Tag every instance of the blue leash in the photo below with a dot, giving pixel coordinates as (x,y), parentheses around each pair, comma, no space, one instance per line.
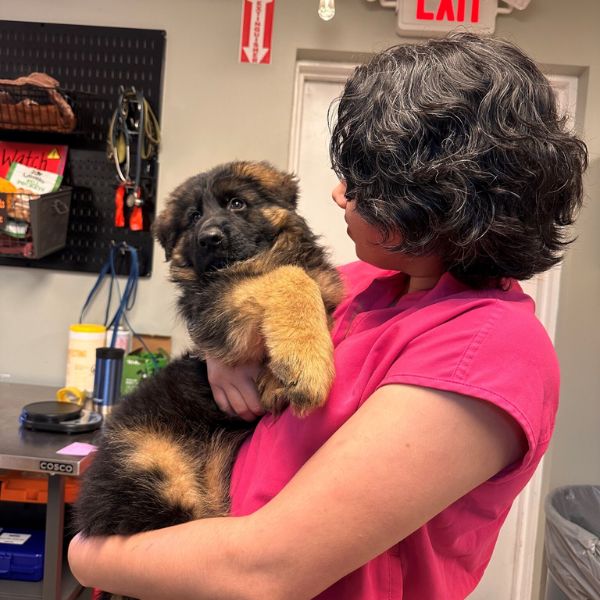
(126,300)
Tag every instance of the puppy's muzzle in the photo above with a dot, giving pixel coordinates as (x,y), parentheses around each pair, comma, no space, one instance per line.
(211,238)
(212,247)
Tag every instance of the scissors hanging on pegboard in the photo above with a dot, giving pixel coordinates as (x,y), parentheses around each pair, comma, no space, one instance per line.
(133,136)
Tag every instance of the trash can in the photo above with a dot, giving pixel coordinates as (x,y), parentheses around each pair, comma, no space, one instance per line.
(572,543)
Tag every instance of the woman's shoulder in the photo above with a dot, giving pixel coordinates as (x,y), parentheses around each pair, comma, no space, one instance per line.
(506,312)
(501,320)
(486,342)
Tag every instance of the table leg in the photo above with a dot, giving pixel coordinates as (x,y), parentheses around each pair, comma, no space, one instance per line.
(55,520)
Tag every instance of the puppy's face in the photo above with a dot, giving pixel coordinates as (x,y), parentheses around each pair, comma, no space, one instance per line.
(225,215)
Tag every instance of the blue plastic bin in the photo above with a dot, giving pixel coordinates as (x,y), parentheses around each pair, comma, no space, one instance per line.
(20,558)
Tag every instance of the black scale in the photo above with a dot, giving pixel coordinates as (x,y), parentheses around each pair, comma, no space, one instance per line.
(60,417)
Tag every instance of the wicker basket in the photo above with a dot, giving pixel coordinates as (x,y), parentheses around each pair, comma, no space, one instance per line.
(35,103)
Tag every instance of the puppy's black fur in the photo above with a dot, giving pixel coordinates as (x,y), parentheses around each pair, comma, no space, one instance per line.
(254,285)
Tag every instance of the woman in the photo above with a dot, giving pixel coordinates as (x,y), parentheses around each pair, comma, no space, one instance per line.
(457,178)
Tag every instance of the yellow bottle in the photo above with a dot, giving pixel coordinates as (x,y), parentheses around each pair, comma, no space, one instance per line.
(84,338)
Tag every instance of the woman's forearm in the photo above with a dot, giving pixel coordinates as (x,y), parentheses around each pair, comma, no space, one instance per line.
(211,558)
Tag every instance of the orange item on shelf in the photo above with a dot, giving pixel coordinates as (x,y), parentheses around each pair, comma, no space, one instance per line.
(17,487)
(6,186)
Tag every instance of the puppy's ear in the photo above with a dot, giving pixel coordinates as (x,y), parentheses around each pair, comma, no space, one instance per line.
(281,185)
(165,229)
(169,225)
(288,187)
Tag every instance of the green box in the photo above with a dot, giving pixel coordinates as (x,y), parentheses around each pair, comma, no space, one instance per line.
(140,364)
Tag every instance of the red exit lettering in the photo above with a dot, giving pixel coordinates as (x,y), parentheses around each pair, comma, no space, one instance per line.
(448,10)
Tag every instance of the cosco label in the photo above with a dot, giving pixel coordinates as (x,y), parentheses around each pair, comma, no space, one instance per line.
(55,467)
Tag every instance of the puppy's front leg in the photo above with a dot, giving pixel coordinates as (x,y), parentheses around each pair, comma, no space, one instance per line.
(287,310)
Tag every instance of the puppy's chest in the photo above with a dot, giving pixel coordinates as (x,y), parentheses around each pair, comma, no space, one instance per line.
(212,297)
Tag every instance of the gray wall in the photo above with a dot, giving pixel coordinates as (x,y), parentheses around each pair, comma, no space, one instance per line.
(216,109)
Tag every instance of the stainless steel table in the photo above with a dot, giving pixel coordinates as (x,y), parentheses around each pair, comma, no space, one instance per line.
(35,452)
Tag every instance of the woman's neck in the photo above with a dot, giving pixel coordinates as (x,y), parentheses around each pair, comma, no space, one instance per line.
(423,273)
(421,283)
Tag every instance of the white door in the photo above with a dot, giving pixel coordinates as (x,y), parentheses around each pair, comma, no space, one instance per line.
(510,573)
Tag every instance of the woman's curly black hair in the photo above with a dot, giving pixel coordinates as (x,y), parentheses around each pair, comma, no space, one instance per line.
(457,144)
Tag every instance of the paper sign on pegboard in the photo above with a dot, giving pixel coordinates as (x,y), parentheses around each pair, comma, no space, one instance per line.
(257,29)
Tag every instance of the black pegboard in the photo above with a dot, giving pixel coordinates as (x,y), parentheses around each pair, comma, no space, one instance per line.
(91,64)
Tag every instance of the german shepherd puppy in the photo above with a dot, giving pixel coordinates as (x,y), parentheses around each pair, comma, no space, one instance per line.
(254,285)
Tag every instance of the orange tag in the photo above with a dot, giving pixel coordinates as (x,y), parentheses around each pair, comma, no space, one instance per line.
(136,220)
(119,216)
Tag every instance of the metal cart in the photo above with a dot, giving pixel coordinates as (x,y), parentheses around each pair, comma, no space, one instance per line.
(36,452)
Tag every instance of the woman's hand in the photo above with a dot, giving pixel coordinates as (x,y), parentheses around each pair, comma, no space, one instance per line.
(234,388)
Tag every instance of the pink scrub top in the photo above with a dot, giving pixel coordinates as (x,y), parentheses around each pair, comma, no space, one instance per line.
(487,344)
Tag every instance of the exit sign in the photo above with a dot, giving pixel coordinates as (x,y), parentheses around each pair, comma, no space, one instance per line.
(438,17)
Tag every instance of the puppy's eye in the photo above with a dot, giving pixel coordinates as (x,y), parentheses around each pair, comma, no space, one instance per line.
(195,216)
(236,204)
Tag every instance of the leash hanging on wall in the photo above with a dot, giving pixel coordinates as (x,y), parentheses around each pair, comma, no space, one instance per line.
(133,139)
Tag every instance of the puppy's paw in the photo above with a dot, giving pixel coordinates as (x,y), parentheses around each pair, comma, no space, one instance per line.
(302,384)
(272,392)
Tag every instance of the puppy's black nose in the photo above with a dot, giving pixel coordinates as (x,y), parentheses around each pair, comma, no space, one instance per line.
(211,237)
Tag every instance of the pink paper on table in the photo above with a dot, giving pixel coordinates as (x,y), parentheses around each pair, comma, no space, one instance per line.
(77,449)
